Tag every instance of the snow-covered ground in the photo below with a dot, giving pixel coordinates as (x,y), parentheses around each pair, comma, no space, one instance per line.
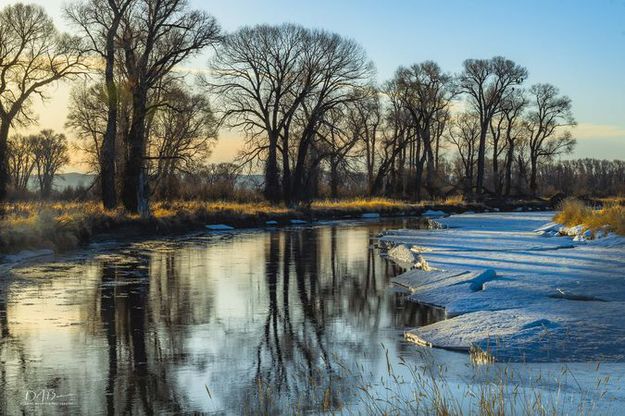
(520,294)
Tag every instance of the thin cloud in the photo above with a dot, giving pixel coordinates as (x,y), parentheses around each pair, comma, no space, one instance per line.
(598,131)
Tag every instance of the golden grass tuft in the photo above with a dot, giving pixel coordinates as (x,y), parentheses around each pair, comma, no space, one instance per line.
(573,212)
(610,217)
(360,204)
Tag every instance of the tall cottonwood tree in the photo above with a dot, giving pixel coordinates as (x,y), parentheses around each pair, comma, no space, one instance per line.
(155,36)
(277,83)
(261,80)
(182,134)
(487,82)
(512,111)
(425,92)
(341,71)
(100,21)
(464,134)
(33,54)
(547,125)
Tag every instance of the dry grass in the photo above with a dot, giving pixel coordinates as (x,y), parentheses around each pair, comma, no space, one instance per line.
(65,225)
(424,386)
(381,204)
(361,204)
(610,217)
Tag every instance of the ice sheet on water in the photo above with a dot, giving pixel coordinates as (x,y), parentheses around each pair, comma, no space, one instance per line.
(407,257)
(505,316)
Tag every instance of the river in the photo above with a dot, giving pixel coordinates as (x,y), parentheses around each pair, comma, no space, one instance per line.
(223,323)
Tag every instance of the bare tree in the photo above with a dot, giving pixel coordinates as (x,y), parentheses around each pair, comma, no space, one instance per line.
(87,118)
(33,54)
(426,93)
(487,82)
(464,134)
(512,111)
(397,137)
(50,153)
(182,133)
(261,80)
(547,123)
(21,161)
(340,132)
(339,71)
(100,21)
(156,35)
(366,118)
(277,83)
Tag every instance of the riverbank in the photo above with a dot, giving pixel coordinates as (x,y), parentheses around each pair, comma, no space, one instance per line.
(64,226)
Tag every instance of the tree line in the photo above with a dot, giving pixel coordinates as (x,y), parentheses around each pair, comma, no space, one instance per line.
(308,103)
(314,119)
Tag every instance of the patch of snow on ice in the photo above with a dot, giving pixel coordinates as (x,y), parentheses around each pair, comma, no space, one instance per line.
(434,213)
(407,258)
(219,227)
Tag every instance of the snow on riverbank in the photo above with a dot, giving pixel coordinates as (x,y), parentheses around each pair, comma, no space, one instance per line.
(545,299)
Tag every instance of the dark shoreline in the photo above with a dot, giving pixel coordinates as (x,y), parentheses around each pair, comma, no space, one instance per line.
(180,224)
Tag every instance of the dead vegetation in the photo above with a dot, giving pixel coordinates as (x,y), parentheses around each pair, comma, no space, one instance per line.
(608,217)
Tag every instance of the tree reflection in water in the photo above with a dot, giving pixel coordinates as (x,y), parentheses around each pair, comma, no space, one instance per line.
(263,319)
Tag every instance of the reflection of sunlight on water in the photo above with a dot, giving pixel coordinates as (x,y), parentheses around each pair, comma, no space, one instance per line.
(147,327)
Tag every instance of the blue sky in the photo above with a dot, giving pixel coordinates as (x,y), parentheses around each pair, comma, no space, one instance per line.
(578,46)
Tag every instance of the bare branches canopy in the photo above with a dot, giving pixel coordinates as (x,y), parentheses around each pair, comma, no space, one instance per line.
(33,54)
(306,100)
(278,83)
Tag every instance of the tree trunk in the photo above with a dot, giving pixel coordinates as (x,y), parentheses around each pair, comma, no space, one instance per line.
(272,180)
(134,187)
(334,178)
(107,162)
(533,184)
(496,181)
(429,154)
(481,154)
(46,186)
(419,176)
(299,191)
(286,174)
(509,161)
(4,158)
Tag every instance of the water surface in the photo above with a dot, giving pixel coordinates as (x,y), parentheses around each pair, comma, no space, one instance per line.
(195,323)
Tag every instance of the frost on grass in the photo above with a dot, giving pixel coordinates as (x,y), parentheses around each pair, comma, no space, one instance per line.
(520,297)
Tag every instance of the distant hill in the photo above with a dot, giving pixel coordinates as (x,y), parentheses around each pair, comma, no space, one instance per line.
(75,180)
(65,180)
